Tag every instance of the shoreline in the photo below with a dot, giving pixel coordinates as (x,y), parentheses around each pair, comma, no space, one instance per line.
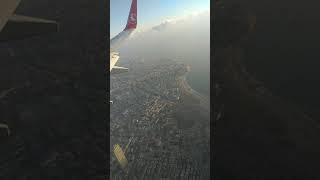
(204,100)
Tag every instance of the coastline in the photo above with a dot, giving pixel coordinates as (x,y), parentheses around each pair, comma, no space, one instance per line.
(204,100)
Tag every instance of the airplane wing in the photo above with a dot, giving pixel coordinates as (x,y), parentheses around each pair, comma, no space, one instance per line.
(118,70)
(122,36)
(13,26)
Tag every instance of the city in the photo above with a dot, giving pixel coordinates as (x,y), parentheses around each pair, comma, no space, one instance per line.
(163,130)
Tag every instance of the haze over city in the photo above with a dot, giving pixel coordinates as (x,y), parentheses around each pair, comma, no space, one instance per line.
(159,118)
(184,37)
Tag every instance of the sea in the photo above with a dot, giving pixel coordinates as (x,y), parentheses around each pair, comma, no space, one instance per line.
(199,76)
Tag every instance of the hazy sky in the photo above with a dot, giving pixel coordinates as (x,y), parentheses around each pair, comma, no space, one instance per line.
(168,29)
(185,39)
(151,11)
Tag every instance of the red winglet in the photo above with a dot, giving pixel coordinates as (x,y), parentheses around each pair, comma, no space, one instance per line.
(132,18)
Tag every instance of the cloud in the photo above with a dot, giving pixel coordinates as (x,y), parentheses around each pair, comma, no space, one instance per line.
(185,38)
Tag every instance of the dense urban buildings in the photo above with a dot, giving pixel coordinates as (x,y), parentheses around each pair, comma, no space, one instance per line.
(159,123)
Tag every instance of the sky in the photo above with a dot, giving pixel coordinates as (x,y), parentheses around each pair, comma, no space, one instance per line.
(185,40)
(168,29)
(151,12)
